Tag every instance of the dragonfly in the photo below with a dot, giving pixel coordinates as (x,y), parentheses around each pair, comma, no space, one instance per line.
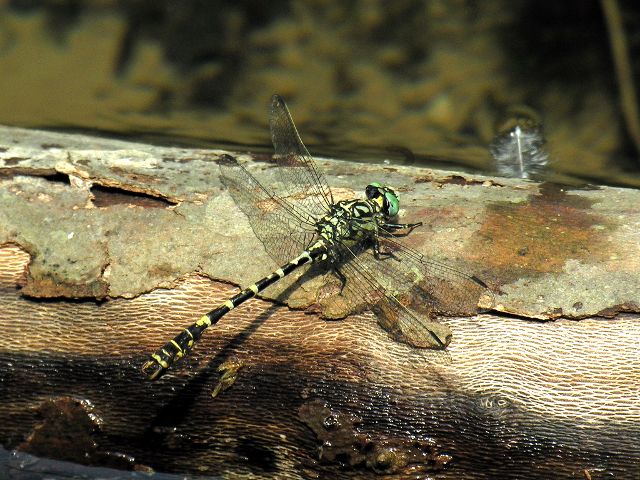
(356,239)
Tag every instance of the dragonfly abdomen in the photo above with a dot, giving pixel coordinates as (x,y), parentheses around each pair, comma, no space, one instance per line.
(182,343)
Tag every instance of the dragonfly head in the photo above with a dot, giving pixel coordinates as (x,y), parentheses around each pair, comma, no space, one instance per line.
(384,196)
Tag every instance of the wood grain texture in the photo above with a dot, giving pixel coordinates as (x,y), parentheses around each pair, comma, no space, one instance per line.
(513,398)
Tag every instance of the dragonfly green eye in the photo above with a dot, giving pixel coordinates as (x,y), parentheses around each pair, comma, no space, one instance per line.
(390,203)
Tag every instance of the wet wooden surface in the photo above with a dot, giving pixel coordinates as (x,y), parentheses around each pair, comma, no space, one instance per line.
(93,279)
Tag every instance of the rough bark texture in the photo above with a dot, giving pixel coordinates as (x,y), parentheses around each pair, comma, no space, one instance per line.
(108,248)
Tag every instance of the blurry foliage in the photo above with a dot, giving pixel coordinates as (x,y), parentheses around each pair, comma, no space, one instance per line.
(362,77)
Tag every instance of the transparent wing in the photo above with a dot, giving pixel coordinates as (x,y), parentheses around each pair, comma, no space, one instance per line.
(407,291)
(282,228)
(449,291)
(300,180)
(363,289)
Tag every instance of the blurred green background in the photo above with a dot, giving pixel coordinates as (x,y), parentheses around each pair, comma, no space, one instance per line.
(423,82)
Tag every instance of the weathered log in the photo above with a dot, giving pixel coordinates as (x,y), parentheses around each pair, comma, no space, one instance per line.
(109,248)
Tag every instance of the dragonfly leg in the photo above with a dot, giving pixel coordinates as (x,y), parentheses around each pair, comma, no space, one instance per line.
(341,277)
(378,253)
(392,227)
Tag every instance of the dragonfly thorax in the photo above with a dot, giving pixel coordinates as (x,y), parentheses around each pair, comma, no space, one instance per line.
(350,219)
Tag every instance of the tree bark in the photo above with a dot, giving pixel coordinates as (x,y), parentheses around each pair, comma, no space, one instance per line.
(110,248)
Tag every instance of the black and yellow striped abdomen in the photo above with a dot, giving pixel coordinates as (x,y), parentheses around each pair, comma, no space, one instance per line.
(182,343)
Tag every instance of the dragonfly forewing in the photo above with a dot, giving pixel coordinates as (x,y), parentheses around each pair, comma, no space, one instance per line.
(299,178)
(282,227)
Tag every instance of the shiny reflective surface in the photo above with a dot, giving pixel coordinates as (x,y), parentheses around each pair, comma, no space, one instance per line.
(422,82)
